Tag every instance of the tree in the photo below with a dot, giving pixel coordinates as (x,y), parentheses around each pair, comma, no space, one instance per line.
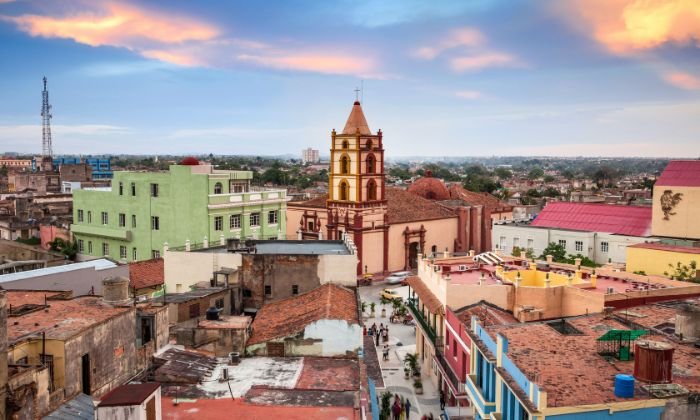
(550,192)
(557,252)
(549,178)
(683,272)
(385,406)
(535,173)
(67,248)
(503,173)
(516,252)
(568,174)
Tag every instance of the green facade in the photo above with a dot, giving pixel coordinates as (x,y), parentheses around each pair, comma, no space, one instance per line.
(188,204)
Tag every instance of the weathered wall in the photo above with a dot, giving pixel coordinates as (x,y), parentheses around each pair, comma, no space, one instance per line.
(15,251)
(184,269)
(440,233)
(338,269)
(131,412)
(656,262)
(280,272)
(179,312)
(82,281)
(30,392)
(112,349)
(684,222)
(326,337)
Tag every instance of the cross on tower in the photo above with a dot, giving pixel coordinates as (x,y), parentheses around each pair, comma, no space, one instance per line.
(357,94)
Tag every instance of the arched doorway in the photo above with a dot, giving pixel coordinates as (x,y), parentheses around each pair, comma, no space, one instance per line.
(413,255)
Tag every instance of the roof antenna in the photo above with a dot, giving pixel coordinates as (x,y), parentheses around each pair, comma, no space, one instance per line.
(357,94)
(362,92)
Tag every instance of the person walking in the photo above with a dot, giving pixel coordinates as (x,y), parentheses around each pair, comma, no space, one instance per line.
(442,400)
(377,338)
(396,408)
(407,408)
(386,334)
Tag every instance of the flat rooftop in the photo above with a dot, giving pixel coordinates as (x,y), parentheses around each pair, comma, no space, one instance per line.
(98,264)
(276,247)
(227,322)
(189,295)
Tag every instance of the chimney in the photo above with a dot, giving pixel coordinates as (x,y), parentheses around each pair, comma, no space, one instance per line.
(115,291)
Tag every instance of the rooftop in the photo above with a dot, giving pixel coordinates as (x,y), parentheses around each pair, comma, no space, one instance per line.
(476,198)
(593,217)
(147,273)
(680,173)
(62,319)
(283,247)
(131,394)
(203,408)
(98,264)
(487,313)
(425,295)
(403,207)
(665,247)
(291,315)
(227,322)
(356,121)
(190,295)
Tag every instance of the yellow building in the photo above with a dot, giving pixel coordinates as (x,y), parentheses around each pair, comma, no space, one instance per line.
(656,259)
(677,201)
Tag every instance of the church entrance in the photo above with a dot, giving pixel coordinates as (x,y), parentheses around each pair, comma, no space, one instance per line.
(413,255)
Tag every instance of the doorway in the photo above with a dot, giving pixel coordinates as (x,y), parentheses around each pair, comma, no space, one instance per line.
(86,374)
(413,255)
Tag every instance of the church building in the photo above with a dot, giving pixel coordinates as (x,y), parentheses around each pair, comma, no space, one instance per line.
(389,226)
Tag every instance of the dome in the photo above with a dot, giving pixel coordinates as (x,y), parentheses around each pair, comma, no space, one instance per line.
(430,188)
(189,161)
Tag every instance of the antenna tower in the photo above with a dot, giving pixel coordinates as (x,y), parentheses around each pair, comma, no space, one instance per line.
(47,149)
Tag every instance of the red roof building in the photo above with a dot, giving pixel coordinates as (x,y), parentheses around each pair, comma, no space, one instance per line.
(680,173)
(605,218)
(147,274)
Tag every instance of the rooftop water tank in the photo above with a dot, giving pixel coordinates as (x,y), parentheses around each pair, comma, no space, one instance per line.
(653,362)
(213,314)
(624,386)
(115,290)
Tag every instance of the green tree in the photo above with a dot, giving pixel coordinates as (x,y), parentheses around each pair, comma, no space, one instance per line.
(535,173)
(683,272)
(549,178)
(503,173)
(557,252)
(67,248)
(568,174)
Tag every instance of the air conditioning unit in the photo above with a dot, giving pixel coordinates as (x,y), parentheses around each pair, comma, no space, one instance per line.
(462,268)
(611,290)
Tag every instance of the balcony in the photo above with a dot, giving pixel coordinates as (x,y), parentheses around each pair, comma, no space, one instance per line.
(254,196)
(102,231)
(447,371)
(483,406)
(418,316)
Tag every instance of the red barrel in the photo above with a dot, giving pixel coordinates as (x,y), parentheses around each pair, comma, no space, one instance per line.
(653,362)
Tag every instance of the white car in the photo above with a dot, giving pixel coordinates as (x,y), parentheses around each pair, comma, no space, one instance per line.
(398,277)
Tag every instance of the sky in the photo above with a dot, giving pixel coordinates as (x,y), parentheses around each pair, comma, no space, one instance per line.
(439,78)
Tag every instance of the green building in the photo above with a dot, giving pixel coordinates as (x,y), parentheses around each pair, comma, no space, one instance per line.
(190,205)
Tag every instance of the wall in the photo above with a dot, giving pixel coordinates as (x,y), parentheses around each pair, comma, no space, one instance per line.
(189,268)
(325,337)
(15,251)
(684,223)
(643,413)
(30,394)
(338,269)
(179,312)
(440,232)
(131,412)
(655,262)
(280,272)
(112,349)
(49,233)
(32,350)
(3,352)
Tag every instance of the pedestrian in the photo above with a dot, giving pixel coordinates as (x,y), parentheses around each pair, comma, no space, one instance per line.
(401,406)
(386,352)
(442,400)
(386,334)
(396,409)
(407,408)
(377,339)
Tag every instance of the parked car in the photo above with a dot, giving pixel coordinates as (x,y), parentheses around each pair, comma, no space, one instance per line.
(390,294)
(398,277)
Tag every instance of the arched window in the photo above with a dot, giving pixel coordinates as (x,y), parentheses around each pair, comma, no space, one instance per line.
(218,188)
(343,189)
(370,164)
(344,165)
(371,190)
(369,144)
(345,144)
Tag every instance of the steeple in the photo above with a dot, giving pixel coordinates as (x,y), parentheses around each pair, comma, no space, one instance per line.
(356,121)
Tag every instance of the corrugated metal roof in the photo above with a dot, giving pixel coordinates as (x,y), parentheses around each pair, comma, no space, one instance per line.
(99,264)
(80,408)
(680,173)
(589,217)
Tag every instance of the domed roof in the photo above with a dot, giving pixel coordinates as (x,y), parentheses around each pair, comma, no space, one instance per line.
(189,161)
(430,188)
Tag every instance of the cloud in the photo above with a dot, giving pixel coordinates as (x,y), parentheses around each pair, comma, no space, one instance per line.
(627,26)
(315,62)
(468,94)
(26,138)
(482,61)
(682,80)
(461,37)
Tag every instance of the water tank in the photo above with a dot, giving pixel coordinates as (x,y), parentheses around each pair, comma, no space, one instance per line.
(688,322)
(624,386)
(213,314)
(235,357)
(653,362)
(115,290)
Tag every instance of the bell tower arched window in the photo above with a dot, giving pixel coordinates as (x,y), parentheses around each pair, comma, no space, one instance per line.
(370,164)
(371,190)
(369,144)
(343,190)
(218,188)
(345,144)
(344,165)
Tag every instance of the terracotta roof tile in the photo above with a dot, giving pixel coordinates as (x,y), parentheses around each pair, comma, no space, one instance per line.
(356,121)
(430,188)
(457,192)
(289,316)
(319,202)
(487,313)
(425,295)
(147,273)
(403,207)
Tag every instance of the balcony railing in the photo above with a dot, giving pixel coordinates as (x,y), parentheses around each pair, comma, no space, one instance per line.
(449,373)
(418,316)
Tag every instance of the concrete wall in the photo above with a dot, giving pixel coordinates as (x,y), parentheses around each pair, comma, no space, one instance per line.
(655,261)
(131,412)
(684,223)
(440,233)
(185,269)
(15,251)
(179,312)
(30,394)
(326,337)
(82,281)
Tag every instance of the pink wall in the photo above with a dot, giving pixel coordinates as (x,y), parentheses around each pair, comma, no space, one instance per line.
(48,233)
(460,363)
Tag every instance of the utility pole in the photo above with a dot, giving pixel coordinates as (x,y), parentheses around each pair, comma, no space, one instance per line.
(47,149)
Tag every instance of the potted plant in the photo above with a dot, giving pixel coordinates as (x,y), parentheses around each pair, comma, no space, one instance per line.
(363,305)
(406,372)
(411,360)
(372,305)
(384,301)
(385,404)
(418,385)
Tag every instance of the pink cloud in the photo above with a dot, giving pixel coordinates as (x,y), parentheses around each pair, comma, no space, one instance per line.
(482,61)
(682,80)
(626,26)
(327,63)
(468,94)
(461,37)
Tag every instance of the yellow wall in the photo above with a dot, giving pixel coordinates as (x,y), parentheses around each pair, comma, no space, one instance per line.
(32,350)
(655,262)
(683,224)
(536,278)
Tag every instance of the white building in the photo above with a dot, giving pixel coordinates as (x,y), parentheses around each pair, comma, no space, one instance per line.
(310,156)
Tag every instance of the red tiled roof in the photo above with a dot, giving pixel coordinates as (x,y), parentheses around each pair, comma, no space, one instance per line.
(669,248)
(425,295)
(329,374)
(319,201)
(457,192)
(430,188)
(402,207)
(288,316)
(213,408)
(131,394)
(487,313)
(356,121)
(147,273)
(680,173)
(606,218)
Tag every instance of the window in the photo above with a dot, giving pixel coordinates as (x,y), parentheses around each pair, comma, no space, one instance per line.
(219,223)
(344,165)
(502,242)
(133,220)
(133,189)
(345,144)
(80,215)
(122,252)
(121,188)
(562,242)
(516,242)
(530,243)
(370,164)
(236,188)
(255,219)
(579,246)
(371,190)
(122,220)
(155,223)
(247,293)
(311,225)
(89,216)
(368,145)
(295,289)
(604,247)
(272,217)
(154,190)
(194,310)
(268,290)
(105,248)
(218,188)
(105,218)
(155,254)
(90,247)
(81,245)
(219,303)
(454,348)
(235,221)
(343,189)
(133,254)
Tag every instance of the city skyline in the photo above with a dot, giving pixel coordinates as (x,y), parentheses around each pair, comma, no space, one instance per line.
(569,78)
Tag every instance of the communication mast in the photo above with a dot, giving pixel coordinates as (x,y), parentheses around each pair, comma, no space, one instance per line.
(47,149)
